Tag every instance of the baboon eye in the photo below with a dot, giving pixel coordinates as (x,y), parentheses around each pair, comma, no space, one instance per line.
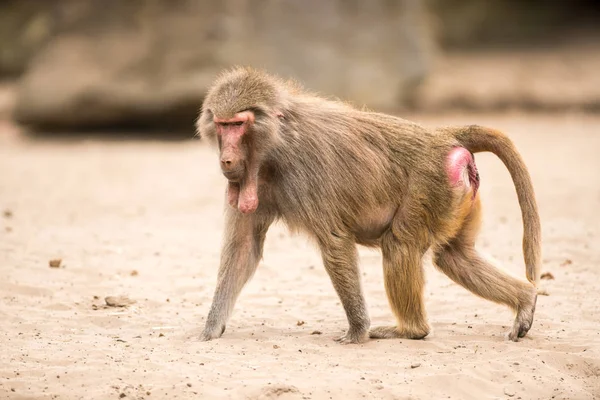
(236,123)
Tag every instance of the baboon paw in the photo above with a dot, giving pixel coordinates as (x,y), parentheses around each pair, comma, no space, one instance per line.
(205,337)
(523,321)
(211,333)
(393,332)
(353,338)
(514,333)
(384,332)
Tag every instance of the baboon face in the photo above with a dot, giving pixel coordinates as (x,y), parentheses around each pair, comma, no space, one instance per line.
(233,137)
(242,115)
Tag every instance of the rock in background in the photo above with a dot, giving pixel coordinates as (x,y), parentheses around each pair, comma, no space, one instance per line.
(113,64)
(25,26)
(149,63)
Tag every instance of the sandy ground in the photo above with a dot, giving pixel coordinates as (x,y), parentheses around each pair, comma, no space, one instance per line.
(108,208)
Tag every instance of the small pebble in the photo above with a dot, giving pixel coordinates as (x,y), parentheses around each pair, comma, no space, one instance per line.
(118,301)
(547,275)
(568,261)
(415,365)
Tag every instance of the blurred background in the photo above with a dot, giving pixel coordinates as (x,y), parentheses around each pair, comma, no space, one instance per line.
(105,193)
(71,65)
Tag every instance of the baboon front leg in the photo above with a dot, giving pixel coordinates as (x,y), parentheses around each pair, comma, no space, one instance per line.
(241,252)
(340,259)
(404,282)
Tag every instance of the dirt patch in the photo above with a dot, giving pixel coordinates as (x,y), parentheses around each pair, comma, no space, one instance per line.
(109,207)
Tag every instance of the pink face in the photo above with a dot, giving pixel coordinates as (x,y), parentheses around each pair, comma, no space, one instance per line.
(230,133)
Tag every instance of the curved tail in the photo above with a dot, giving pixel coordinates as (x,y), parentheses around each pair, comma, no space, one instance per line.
(481,139)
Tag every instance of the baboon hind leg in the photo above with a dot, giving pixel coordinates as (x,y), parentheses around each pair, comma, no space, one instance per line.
(404,283)
(466,266)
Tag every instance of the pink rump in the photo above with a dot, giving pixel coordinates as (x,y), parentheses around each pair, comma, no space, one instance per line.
(460,166)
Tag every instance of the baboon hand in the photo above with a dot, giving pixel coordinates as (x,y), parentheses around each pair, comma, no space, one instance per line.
(354,336)
(212,331)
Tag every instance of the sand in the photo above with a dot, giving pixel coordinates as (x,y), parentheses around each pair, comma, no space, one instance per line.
(143,219)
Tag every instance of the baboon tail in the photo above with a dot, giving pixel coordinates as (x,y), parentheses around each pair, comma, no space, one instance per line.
(481,139)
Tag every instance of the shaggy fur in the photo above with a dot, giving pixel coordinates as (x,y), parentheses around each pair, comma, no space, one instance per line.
(346,176)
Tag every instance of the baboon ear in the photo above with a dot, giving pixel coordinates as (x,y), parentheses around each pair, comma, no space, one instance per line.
(197,126)
(204,123)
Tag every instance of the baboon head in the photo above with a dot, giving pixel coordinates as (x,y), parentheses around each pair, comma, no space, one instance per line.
(243,114)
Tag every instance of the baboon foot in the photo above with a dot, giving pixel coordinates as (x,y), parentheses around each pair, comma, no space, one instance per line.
(393,332)
(354,336)
(523,320)
(212,332)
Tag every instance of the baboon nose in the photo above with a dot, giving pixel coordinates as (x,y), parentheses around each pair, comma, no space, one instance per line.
(226,164)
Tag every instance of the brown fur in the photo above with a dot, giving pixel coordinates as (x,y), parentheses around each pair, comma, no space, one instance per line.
(346,176)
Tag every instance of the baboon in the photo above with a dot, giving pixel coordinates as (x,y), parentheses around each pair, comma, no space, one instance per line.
(347,176)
